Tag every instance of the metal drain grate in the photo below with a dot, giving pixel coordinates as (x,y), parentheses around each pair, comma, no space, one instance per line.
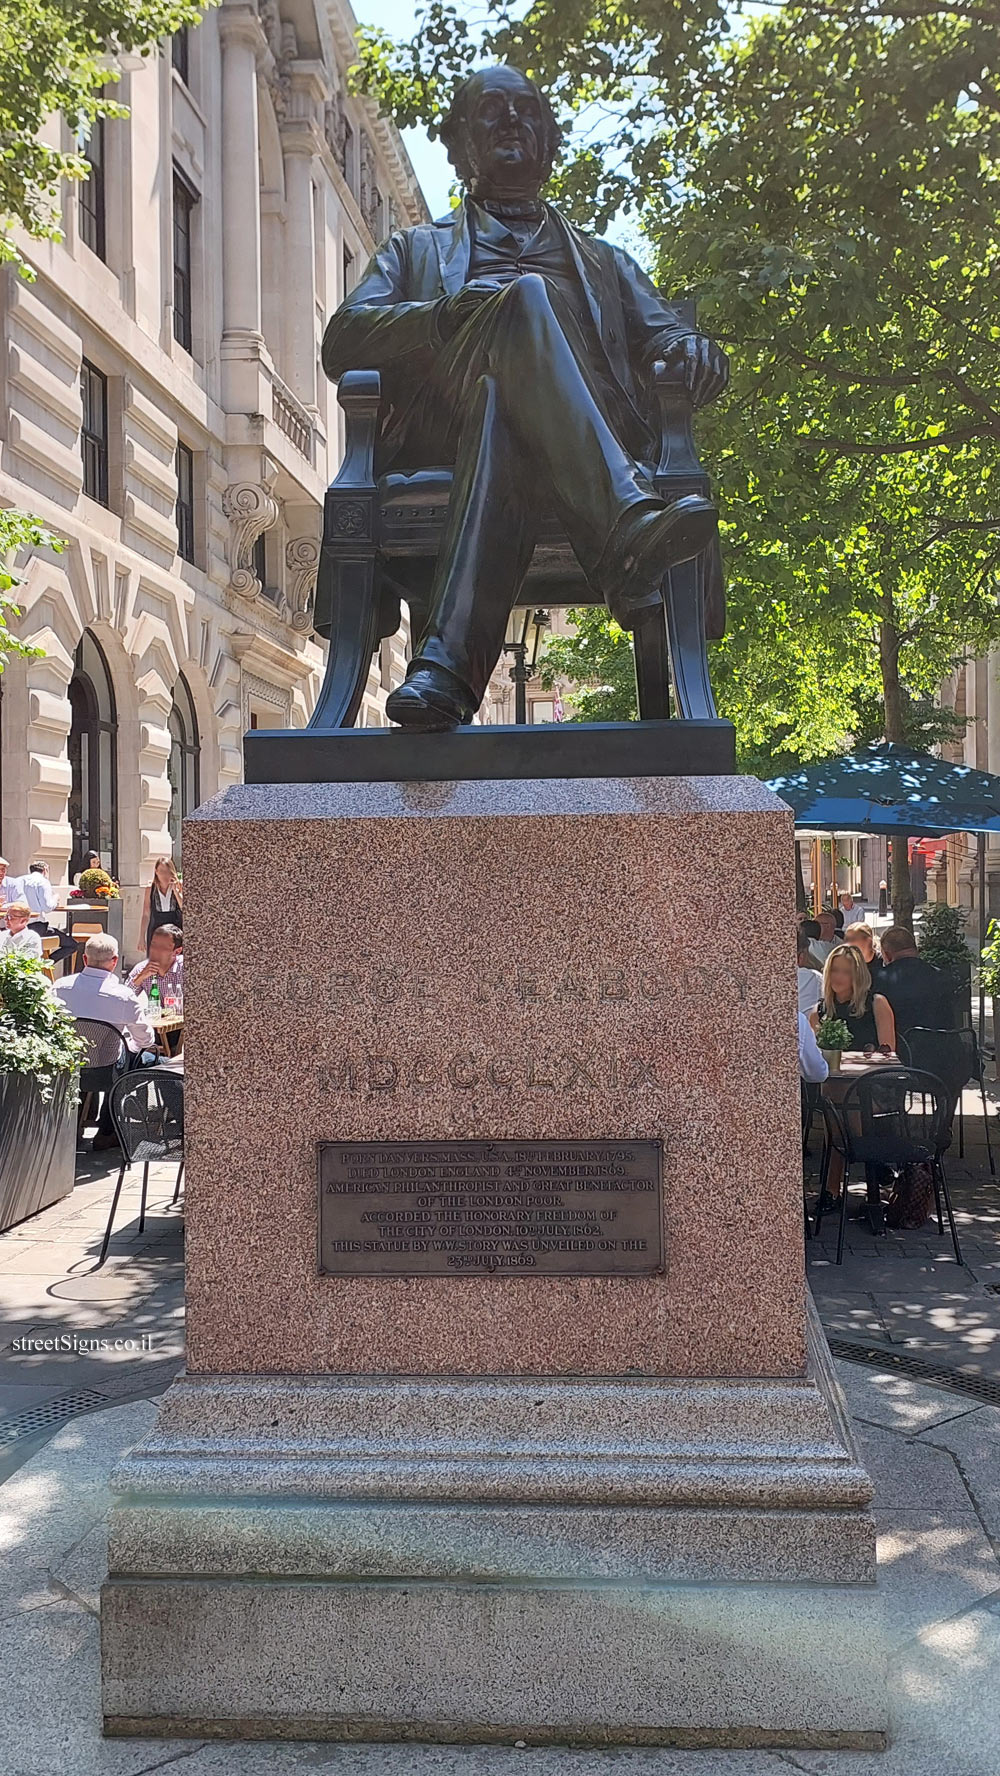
(48,1415)
(875,1356)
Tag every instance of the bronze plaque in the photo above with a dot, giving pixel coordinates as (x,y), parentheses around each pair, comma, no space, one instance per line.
(499,1208)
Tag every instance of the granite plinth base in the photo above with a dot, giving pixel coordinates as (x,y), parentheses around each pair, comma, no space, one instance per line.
(619,1561)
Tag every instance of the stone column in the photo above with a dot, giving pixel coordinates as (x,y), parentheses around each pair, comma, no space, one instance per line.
(300,289)
(242,339)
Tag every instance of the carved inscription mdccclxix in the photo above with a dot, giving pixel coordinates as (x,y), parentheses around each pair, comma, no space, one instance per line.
(495,1208)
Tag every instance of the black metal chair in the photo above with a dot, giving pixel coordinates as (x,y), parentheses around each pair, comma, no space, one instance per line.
(147,1110)
(890,1118)
(381,537)
(105,1061)
(955,1057)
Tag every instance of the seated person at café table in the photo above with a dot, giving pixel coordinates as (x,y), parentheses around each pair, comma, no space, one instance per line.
(863,939)
(813,1068)
(96,992)
(810,985)
(41,898)
(164,963)
(14,932)
(848,994)
(920,996)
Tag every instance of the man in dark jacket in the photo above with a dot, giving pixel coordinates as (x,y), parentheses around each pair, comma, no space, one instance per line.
(921,996)
(518,349)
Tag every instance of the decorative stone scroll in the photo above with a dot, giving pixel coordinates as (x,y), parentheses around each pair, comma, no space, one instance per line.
(335,128)
(251,510)
(302,562)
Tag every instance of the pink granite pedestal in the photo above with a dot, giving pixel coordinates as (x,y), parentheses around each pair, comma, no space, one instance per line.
(598,1508)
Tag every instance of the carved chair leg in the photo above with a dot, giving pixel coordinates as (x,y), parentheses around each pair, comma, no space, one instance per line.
(684,591)
(353,640)
(652,669)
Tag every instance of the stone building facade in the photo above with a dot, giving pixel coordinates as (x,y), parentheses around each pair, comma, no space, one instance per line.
(164,413)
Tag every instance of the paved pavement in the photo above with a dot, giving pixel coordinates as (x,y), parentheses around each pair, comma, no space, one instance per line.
(904,1292)
(931,1450)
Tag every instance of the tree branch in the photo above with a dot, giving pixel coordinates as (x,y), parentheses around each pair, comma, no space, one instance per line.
(899,447)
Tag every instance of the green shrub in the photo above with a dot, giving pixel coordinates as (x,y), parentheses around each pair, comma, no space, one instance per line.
(941,940)
(37,1034)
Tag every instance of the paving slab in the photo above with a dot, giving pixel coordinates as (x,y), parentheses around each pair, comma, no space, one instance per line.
(878,1397)
(911,1475)
(933,1564)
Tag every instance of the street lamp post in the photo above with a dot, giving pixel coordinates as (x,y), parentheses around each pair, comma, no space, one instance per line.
(523,669)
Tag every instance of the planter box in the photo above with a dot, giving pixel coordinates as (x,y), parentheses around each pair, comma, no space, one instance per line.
(37,1147)
(106,913)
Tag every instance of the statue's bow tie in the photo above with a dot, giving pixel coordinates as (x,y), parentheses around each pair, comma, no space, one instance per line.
(526,211)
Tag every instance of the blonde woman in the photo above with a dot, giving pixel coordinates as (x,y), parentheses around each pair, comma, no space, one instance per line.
(163,903)
(848,993)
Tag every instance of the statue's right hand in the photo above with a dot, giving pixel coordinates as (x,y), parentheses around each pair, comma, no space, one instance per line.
(457,309)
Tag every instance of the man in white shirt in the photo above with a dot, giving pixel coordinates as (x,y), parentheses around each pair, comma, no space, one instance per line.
(40,895)
(812,1066)
(10,886)
(15,936)
(810,980)
(828,938)
(96,992)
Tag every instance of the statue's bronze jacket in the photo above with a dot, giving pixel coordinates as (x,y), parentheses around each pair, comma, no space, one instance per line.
(388,322)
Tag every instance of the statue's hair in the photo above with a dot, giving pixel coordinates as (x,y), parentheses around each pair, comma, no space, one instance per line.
(453,123)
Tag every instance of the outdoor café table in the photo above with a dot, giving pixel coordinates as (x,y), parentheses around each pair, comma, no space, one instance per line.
(168,1028)
(853,1065)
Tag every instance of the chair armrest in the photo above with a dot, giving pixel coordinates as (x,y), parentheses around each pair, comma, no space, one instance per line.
(678,456)
(359,393)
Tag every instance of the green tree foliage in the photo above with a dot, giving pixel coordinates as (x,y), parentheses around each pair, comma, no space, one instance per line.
(17,532)
(823,177)
(57,61)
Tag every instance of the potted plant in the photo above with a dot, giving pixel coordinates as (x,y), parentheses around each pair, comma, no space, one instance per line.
(96,884)
(833,1037)
(40,1054)
(97,890)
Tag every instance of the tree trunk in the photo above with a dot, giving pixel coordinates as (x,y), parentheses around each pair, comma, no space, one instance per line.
(892,695)
(801,902)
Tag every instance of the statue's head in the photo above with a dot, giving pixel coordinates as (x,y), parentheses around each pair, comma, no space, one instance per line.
(501,134)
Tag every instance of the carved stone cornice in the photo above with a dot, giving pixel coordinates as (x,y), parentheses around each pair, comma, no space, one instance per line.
(251,509)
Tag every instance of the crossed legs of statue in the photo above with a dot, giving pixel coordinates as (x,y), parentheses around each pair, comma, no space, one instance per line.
(516,404)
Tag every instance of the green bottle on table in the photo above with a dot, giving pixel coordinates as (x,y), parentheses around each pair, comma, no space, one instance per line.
(154,998)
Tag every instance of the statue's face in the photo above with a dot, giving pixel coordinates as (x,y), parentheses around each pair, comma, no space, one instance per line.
(505,132)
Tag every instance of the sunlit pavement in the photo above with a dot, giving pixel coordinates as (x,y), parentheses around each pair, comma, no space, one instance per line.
(68,1413)
(904,1291)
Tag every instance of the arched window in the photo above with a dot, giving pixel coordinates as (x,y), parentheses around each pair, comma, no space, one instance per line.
(93,758)
(185,756)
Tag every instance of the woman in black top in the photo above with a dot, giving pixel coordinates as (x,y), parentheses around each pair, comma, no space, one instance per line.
(848,993)
(163,903)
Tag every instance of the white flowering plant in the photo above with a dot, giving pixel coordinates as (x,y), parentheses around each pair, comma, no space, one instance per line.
(37,1034)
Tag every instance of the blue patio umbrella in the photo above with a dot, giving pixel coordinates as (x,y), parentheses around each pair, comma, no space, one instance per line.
(892,790)
(900,793)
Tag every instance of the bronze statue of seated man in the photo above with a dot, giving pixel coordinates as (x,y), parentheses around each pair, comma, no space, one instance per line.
(519,349)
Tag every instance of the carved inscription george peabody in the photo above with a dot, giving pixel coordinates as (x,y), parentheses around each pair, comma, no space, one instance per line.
(454,1208)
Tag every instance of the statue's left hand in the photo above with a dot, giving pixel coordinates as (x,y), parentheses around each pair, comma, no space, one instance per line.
(701,365)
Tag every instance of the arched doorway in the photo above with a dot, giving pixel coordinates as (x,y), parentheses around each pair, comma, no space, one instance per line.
(184,770)
(93,757)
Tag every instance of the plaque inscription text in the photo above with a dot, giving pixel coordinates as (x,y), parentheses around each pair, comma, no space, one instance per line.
(499,1208)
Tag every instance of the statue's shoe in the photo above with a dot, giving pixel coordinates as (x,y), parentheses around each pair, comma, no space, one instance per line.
(647,543)
(430,700)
